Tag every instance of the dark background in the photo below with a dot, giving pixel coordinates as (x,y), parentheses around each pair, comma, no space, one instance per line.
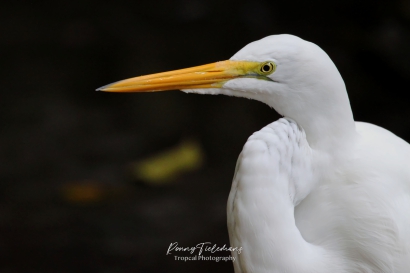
(57,134)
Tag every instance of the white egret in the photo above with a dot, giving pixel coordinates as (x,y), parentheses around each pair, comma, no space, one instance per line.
(314,191)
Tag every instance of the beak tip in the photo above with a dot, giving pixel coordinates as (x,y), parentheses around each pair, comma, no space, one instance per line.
(104,88)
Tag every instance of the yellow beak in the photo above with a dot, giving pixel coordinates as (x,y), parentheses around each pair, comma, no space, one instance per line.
(212,75)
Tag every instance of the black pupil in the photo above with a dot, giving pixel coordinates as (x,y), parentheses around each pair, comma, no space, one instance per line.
(266,68)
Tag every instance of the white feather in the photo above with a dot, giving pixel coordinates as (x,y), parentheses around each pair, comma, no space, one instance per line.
(315,191)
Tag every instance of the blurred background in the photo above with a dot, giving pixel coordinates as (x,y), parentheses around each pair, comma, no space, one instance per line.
(99,182)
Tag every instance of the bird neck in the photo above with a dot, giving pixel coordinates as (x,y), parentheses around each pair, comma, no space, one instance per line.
(326,116)
(328,131)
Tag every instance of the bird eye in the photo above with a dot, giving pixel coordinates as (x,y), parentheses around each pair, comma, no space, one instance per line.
(267,68)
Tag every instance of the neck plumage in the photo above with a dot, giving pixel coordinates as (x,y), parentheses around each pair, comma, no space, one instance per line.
(328,130)
(261,218)
(322,110)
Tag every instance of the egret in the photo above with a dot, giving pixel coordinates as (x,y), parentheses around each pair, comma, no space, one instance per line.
(314,191)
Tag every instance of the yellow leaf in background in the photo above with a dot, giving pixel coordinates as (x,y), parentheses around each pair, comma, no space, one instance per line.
(167,166)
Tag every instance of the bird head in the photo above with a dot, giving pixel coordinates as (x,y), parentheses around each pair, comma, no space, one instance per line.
(295,77)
